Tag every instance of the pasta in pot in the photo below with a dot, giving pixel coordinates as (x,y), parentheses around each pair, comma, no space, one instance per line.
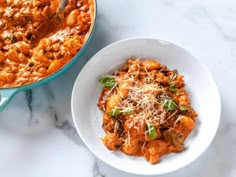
(36,41)
(146,110)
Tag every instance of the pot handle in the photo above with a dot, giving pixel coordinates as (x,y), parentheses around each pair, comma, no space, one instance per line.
(5,96)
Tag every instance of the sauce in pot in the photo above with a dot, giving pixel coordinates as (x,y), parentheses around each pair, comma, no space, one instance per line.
(36,40)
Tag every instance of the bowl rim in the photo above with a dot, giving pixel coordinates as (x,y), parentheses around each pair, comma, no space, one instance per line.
(165,42)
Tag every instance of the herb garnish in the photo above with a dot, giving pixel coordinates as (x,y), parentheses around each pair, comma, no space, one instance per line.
(169,104)
(183,108)
(152,131)
(172,88)
(115,112)
(107,81)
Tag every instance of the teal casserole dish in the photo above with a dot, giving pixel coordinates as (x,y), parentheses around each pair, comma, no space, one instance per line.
(6,94)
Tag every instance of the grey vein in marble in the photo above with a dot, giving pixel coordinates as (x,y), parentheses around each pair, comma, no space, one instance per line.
(29,97)
(96,170)
(67,127)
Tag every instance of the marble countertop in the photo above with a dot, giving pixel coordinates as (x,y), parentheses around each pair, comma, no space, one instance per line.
(37,136)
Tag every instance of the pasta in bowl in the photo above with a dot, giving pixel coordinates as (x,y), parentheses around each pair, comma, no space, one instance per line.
(95,117)
(146,110)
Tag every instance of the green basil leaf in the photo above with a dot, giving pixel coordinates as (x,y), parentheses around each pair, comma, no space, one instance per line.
(172,88)
(107,81)
(114,112)
(152,131)
(169,104)
(183,108)
(127,111)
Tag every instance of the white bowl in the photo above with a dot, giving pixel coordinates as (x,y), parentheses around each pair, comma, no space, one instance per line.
(199,83)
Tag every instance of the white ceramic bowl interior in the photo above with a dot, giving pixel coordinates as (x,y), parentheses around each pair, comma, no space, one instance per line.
(199,83)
